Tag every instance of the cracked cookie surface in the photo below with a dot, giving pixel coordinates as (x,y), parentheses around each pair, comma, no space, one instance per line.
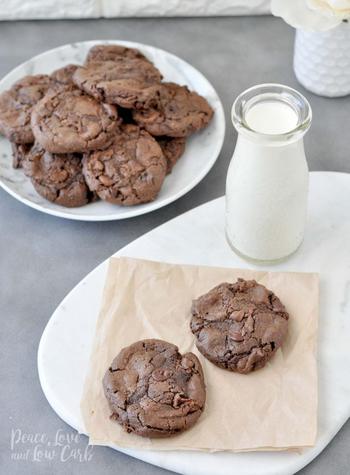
(239,326)
(128,82)
(172,148)
(112,53)
(66,121)
(178,112)
(16,106)
(128,172)
(57,177)
(64,76)
(153,390)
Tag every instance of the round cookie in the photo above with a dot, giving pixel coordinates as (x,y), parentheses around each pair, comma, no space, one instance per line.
(128,82)
(16,105)
(179,112)
(58,177)
(64,76)
(173,149)
(66,121)
(239,326)
(130,171)
(112,53)
(153,390)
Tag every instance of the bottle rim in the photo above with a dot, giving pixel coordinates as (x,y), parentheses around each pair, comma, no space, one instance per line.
(271,92)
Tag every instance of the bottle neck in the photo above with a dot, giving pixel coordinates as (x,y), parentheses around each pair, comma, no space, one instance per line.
(271,114)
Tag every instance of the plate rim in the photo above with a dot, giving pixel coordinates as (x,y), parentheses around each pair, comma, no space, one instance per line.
(154,205)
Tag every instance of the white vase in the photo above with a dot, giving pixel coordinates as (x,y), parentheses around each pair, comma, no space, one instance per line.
(322,60)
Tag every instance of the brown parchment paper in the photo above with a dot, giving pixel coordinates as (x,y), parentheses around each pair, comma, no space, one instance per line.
(273,408)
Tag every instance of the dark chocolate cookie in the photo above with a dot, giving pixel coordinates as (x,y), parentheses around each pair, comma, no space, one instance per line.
(64,76)
(66,120)
(179,112)
(153,390)
(112,53)
(239,326)
(19,153)
(16,106)
(128,82)
(130,171)
(172,149)
(58,177)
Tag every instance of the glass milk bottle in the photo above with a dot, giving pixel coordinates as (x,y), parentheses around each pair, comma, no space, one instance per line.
(267,180)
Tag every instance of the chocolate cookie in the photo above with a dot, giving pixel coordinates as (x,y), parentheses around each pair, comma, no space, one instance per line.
(153,390)
(19,153)
(58,177)
(112,53)
(66,120)
(130,171)
(178,113)
(172,149)
(129,82)
(64,76)
(239,326)
(16,106)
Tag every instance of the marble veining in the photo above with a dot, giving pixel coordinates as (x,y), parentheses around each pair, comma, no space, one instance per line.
(202,149)
(197,237)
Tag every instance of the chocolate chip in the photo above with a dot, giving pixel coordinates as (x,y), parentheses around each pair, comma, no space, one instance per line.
(161,374)
(187,363)
(105,180)
(237,315)
(236,335)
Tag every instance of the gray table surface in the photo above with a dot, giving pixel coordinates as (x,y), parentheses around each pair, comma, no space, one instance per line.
(43,257)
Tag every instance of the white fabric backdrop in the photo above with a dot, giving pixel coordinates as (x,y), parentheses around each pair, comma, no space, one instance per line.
(35,9)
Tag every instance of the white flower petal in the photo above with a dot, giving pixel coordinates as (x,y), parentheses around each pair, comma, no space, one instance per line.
(335,8)
(297,14)
(339,4)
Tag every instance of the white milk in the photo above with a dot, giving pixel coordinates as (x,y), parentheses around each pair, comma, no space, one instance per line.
(271,118)
(267,180)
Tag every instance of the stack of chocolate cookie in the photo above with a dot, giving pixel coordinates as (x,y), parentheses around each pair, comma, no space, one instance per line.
(109,129)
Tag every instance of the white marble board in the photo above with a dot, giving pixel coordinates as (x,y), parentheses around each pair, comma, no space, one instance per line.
(197,237)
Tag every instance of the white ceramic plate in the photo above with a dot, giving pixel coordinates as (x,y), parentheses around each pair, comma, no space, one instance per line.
(202,149)
(66,342)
